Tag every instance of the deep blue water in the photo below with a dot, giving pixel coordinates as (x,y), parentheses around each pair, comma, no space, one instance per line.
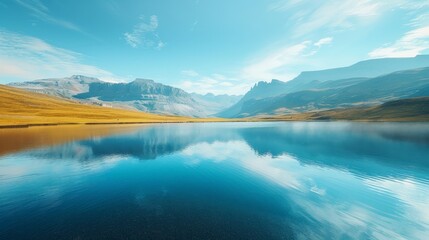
(223,181)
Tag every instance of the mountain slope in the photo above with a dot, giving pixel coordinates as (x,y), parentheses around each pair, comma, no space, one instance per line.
(139,89)
(264,89)
(20,107)
(372,91)
(329,78)
(61,87)
(141,94)
(215,103)
(410,109)
(366,69)
(145,95)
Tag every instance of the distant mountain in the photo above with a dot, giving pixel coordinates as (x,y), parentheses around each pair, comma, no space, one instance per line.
(365,69)
(264,89)
(145,95)
(215,103)
(327,79)
(139,89)
(361,92)
(61,87)
(259,91)
(409,109)
(141,94)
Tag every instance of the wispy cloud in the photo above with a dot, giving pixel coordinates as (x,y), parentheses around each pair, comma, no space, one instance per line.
(41,11)
(26,58)
(420,20)
(323,41)
(214,83)
(190,73)
(279,64)
(144,33)
(411,44)
(268,67)
(327,14)
(309,16)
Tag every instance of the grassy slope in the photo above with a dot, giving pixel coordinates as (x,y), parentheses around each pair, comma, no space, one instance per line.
(412,109)
(19,107)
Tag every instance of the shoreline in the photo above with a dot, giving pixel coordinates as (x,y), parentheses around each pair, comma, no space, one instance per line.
(30,125)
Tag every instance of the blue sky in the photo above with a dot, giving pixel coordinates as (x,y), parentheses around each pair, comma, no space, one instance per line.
(203,46)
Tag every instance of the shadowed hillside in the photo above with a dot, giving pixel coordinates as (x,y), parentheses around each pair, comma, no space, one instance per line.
(343,94)
(412,109)
(369,82)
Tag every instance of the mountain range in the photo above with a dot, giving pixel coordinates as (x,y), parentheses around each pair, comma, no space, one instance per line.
(141,94)
(213,104)
(365,83)
(21,108)
(408,109)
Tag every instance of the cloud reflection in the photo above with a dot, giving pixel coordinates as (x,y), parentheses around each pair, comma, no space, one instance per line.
(337,180)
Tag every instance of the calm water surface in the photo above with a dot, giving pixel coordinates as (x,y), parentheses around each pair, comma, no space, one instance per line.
(222,181)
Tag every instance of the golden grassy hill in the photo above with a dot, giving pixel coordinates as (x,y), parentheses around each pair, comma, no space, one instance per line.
(22,108)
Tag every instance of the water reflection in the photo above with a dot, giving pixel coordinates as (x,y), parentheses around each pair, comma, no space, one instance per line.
(19,139)
(313,143)
(223,181)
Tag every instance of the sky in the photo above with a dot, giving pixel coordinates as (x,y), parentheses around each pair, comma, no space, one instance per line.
(217,46)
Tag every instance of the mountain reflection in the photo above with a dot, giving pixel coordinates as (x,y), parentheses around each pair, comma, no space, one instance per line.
(346,145)
(327,144)
(145,143)
(300,180)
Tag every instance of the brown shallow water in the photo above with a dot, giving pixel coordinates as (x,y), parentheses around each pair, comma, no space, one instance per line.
(18,139)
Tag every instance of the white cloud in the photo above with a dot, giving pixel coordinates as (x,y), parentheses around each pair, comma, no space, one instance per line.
(190,73)
(280,63)
(215,83)
(144,33)
(284,5)
(329,14)
(420,20)
(410,44)
(323,41)
(160,45)
(269,66)
(27,58)
(312,15)
(411,4)
(40,11)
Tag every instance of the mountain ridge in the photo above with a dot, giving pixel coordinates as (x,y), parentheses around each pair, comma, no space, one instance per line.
(368,92)
(21,108)
(366,69)
(408,109)
(140,94)
(328,79)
